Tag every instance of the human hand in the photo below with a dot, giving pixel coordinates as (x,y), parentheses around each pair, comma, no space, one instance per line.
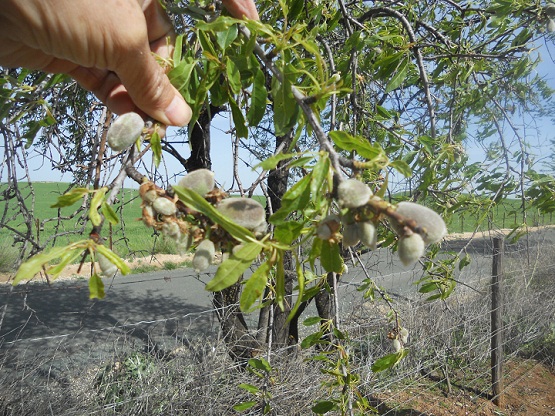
(105,46)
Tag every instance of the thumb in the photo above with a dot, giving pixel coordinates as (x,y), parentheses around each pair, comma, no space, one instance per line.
(150,89)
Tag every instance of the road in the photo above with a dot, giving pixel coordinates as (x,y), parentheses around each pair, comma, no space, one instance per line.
(35,310)
(50,324)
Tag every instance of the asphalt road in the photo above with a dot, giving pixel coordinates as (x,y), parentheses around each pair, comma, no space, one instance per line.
(63,309)
(173,306)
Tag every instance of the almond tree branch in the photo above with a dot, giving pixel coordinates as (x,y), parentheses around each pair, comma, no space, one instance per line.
(386,11)
(323,140)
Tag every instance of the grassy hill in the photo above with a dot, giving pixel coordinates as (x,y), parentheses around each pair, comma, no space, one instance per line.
(131,237)
(69,222)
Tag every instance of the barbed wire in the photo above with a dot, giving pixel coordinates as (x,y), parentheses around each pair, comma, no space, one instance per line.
(449,344)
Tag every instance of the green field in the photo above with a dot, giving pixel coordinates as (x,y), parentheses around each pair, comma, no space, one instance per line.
(506,215)
(132,238)
(129,237)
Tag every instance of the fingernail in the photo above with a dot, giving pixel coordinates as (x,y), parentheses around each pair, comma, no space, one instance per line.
(178,112)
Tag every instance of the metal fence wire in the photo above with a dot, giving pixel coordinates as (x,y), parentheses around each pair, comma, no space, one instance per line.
(144,352)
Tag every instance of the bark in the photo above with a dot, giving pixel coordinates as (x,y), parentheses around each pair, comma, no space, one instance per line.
(242,345)
(199,138)
(277,186)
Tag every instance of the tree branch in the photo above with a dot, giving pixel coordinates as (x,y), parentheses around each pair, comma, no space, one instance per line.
(386,11)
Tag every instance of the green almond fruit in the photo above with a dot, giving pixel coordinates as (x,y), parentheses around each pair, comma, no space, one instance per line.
(426,218)
(410,249)
(201,181)
(164,206)
(125,131)
(368,235)
(352,193)
(246,212)
(351,235)
(204,255)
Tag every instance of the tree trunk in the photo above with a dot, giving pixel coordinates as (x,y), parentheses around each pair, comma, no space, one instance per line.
(277,186)
(199,138)
(242,345)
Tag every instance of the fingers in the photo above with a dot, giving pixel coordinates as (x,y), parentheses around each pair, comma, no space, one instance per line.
(150,89)
(144,79)
(241,9)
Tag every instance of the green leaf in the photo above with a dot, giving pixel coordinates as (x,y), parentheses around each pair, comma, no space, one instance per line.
(260,364)
(383,112)
(96,201)
(330,257)
(301,285)
(96,287)
(249,387)
(363,147)
(313,320)
(287,232)
(217,25)
(272,161)
(400,75)
(280,282)
(180,75)
(233,76)
(428,287)
(109,213)
(300,162)
(70,198)
(225,38)
(320,174)
(296,198)
(32,129)
(34,265)
(323,406)
(231,270)
(312,339)
(259,98)
(465,261)
(198,203)
(402,167)
(156,147)
(178,49)
(254,287)
(389,361)
(240,407)
(68,258)
(113,258)
(286,110)
(241,129)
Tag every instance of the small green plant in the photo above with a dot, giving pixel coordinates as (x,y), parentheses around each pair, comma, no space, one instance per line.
(8,257)
(262,369)
(165,245)
(121,380)
(144,268)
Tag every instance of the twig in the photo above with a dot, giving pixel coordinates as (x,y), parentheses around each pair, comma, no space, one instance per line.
(323,139)
(381,11)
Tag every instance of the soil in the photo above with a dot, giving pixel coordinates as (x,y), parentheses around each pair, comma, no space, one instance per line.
(529,390)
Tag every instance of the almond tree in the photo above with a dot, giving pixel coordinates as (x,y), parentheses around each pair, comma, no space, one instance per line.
(334,99)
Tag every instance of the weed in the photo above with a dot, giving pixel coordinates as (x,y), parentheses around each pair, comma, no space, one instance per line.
(9,256)
(123,379)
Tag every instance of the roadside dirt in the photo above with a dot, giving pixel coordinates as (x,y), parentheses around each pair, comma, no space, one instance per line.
(75,271)
(529,391)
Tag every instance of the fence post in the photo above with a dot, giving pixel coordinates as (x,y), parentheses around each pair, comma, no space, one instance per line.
(497,322)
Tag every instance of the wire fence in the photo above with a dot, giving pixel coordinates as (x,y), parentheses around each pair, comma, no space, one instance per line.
(149,351)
